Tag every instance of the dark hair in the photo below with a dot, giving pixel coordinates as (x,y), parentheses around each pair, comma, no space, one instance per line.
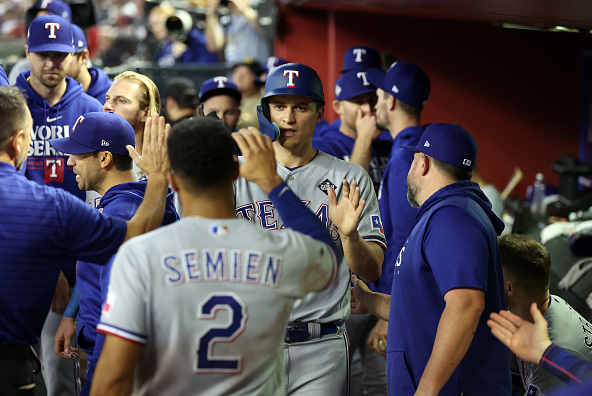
(183,91)
(13,113)
(452,171)
(527,263)
(201,151)
(120,162)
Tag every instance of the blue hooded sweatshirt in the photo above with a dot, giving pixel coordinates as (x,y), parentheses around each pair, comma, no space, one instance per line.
(120,201)
(99,85)
(46,165)
(3,77)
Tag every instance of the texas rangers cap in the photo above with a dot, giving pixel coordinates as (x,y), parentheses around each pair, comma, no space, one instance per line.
(218,86)
(79,38)
(405,81)
(361,58)
(100,131)
(448,143)
(57,7)
(50,33)
(352,84)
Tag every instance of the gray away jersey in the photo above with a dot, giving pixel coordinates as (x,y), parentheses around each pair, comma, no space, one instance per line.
(310,183)
(210,300)
(567,329)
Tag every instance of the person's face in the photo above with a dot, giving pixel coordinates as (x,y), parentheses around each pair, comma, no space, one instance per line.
(75,67)
(49,67)
(243,77)
(296,117)
(226,109)
(157,22)
(350,107)
(121,99)
(86,167)
(22,157)
(381,108)
(412,187)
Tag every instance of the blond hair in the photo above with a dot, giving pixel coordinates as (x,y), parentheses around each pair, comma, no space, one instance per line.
(148,96)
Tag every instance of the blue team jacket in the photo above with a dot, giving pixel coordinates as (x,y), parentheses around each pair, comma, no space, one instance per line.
(120,201)
(99,84)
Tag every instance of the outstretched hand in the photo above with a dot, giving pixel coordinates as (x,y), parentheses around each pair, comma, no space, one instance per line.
(154,158)
(62,341)
(526,339)
(259,164)
(346,213)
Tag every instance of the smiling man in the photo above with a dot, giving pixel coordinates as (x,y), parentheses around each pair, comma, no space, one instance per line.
(315,350)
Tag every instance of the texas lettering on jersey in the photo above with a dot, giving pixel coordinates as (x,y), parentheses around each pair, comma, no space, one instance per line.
(264,212)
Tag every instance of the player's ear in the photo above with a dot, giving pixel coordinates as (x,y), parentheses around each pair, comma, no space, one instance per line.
(336,106)
(145,114)
(391,102)
(424,164)
(174,183)
(27,51)
(510,288)
(85,56)
(105,158)
(15,145)
(320,112)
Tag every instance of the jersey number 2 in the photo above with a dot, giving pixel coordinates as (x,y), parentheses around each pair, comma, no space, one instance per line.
(228,332)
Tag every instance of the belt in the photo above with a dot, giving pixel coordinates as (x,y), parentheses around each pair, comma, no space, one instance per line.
(309,331)
(20,352)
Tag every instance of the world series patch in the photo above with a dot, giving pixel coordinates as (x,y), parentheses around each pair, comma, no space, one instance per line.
(327,184)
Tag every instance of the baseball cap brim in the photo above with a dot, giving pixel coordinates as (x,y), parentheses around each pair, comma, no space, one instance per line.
(220,91)
(410,148)
(55,47)
(68,145)
(361,91)
(376,78)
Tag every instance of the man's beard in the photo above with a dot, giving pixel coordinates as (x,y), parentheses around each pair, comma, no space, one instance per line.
(412,195)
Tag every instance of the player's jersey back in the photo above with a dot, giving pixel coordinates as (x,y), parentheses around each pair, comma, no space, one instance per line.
(210,299)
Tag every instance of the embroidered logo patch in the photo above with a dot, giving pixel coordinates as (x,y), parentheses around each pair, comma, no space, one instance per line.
(324,186)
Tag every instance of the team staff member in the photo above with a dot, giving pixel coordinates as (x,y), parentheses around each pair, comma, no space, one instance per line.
(102,163)
(221,95)
(95,82)
(527,269)
(437,341)
(254,275)
(43,228)
(55,101)
(316,356)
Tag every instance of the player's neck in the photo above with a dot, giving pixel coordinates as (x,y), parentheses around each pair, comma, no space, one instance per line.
(398,124)
(84,78)
(52,95)
(294,157)
(212,203)
(114,178)
(347,131)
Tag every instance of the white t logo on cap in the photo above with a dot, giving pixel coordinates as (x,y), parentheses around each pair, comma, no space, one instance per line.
(359,52)
(52,26)
(362,75)
(291,74)
(221,81)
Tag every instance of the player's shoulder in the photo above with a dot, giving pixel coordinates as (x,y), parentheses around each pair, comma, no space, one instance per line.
(330,162)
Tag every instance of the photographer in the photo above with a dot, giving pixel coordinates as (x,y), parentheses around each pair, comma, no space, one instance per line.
(179,40)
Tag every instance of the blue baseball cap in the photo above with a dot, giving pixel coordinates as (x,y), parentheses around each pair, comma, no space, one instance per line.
(79,38)
(352,84)
(99,131)
(50,33)
(361,58)
(448,143)
(218,86)
(405,81)
(57,7)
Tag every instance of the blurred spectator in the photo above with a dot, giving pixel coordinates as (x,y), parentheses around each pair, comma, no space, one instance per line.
(181,100)
(179,41)
(243,37)
(245,75)
(223,97)
(95,82)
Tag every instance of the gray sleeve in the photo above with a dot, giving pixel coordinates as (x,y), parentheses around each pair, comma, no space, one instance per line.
(370,227)
(124,311)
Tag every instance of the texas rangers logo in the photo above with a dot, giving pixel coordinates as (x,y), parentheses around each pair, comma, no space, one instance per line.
(337,90)
(291,74)
(359,53)
(362,75)
(78,121)
(532,391)
(221,81)
(52,26)
(376,223)
(327,184)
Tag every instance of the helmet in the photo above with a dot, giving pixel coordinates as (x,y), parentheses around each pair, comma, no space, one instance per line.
(294,79)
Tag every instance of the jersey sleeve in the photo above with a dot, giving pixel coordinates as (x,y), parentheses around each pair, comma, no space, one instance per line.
(569,368)
(370,226)
(89,236)
(124,311)
(456,250)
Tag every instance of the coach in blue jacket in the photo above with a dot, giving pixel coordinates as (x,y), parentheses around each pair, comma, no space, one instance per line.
(447,279)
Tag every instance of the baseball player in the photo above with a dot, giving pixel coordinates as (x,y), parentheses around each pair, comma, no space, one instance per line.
(100,159)
(55,101)
(316,356)
(222,96)
(200,306)
(43,228)
(95,82)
